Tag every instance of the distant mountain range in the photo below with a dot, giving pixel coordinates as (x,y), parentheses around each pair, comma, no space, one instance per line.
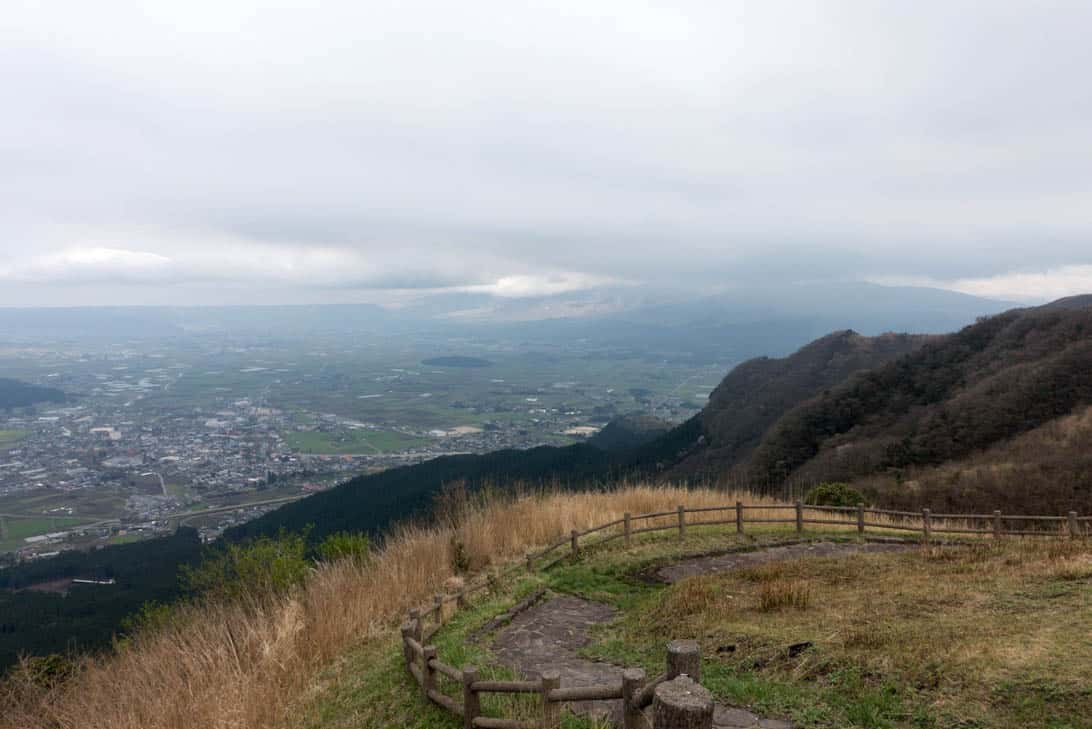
(630,321)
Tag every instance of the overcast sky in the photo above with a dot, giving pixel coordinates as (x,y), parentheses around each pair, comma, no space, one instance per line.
(228,152)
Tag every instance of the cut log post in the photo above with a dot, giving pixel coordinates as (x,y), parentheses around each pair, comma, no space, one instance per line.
(799,517)
(472,706)
(574,539)
(996,524)
(1074,530)
(926,525)
(739,517)
(633,680)
(682,703)
(407,632)
(428,673)
(682,521)
(860,518)
(551,710)
(684,657)
(627,529)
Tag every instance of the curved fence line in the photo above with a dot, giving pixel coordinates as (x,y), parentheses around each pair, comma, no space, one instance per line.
(634,690)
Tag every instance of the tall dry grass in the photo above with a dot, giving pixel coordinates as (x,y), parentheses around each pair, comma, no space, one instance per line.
(244,665)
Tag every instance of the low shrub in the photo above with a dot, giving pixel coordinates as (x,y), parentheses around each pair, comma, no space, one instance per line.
(833,494)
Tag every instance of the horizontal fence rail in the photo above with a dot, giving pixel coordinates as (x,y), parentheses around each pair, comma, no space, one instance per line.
(683,660)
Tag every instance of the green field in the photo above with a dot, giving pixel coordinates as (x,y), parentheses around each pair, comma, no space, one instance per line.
(17,529)
(351,442)
(11,437)
(87,504)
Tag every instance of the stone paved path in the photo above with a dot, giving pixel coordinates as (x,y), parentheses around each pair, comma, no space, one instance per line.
(549,635)
(733,560)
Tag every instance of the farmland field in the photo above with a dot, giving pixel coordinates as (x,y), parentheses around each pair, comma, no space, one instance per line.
(11,437)
(17,529)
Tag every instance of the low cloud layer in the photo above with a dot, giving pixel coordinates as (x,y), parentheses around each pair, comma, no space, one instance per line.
(238,152)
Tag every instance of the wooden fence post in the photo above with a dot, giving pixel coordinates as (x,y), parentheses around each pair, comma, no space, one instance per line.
(926,526)
(739,517)
(428,673)
(1073,529)
(472,706)
(684,657)
(682,704)
(799,517)
(551,710)
(407,632)
(997,524)
(628,529)
(633,680)
(530,562)
(574,538)
(438,601)
(682,521)
(416,624)
(860,518)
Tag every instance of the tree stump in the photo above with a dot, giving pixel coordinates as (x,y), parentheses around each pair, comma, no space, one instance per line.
(682,704)
(684,657)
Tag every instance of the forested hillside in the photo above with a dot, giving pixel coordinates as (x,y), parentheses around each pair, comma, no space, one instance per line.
(371,503)
(991,381)
(1047,470)
(38,622)
(755,394)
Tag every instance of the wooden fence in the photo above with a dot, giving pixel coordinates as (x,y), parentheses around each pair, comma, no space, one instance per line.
(683,659)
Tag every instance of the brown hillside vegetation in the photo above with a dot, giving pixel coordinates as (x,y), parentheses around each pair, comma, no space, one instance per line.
(992,381)
(244,665)
(1049,467)
(755,394)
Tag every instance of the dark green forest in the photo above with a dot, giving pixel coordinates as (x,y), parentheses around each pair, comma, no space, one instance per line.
(17,394)
(39,623)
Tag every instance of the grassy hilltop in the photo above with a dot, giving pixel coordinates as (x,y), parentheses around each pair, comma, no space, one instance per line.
(991,635)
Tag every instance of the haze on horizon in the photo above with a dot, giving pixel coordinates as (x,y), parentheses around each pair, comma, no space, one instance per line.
(241,152)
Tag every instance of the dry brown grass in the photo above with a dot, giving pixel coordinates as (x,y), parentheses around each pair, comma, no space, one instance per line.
(244,665)
(783,594)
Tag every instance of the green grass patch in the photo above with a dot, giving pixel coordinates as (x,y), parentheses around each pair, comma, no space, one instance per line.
(16,530)
(9,438)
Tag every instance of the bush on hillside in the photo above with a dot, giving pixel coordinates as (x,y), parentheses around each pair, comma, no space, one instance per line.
(354,546)
(833,494)
(264,566)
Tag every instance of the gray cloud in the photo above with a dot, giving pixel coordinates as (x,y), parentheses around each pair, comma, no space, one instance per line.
(527,149)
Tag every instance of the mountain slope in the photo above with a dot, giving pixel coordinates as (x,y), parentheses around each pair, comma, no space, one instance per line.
(628,432)
(755,394)
(993,380)
(1047,470)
